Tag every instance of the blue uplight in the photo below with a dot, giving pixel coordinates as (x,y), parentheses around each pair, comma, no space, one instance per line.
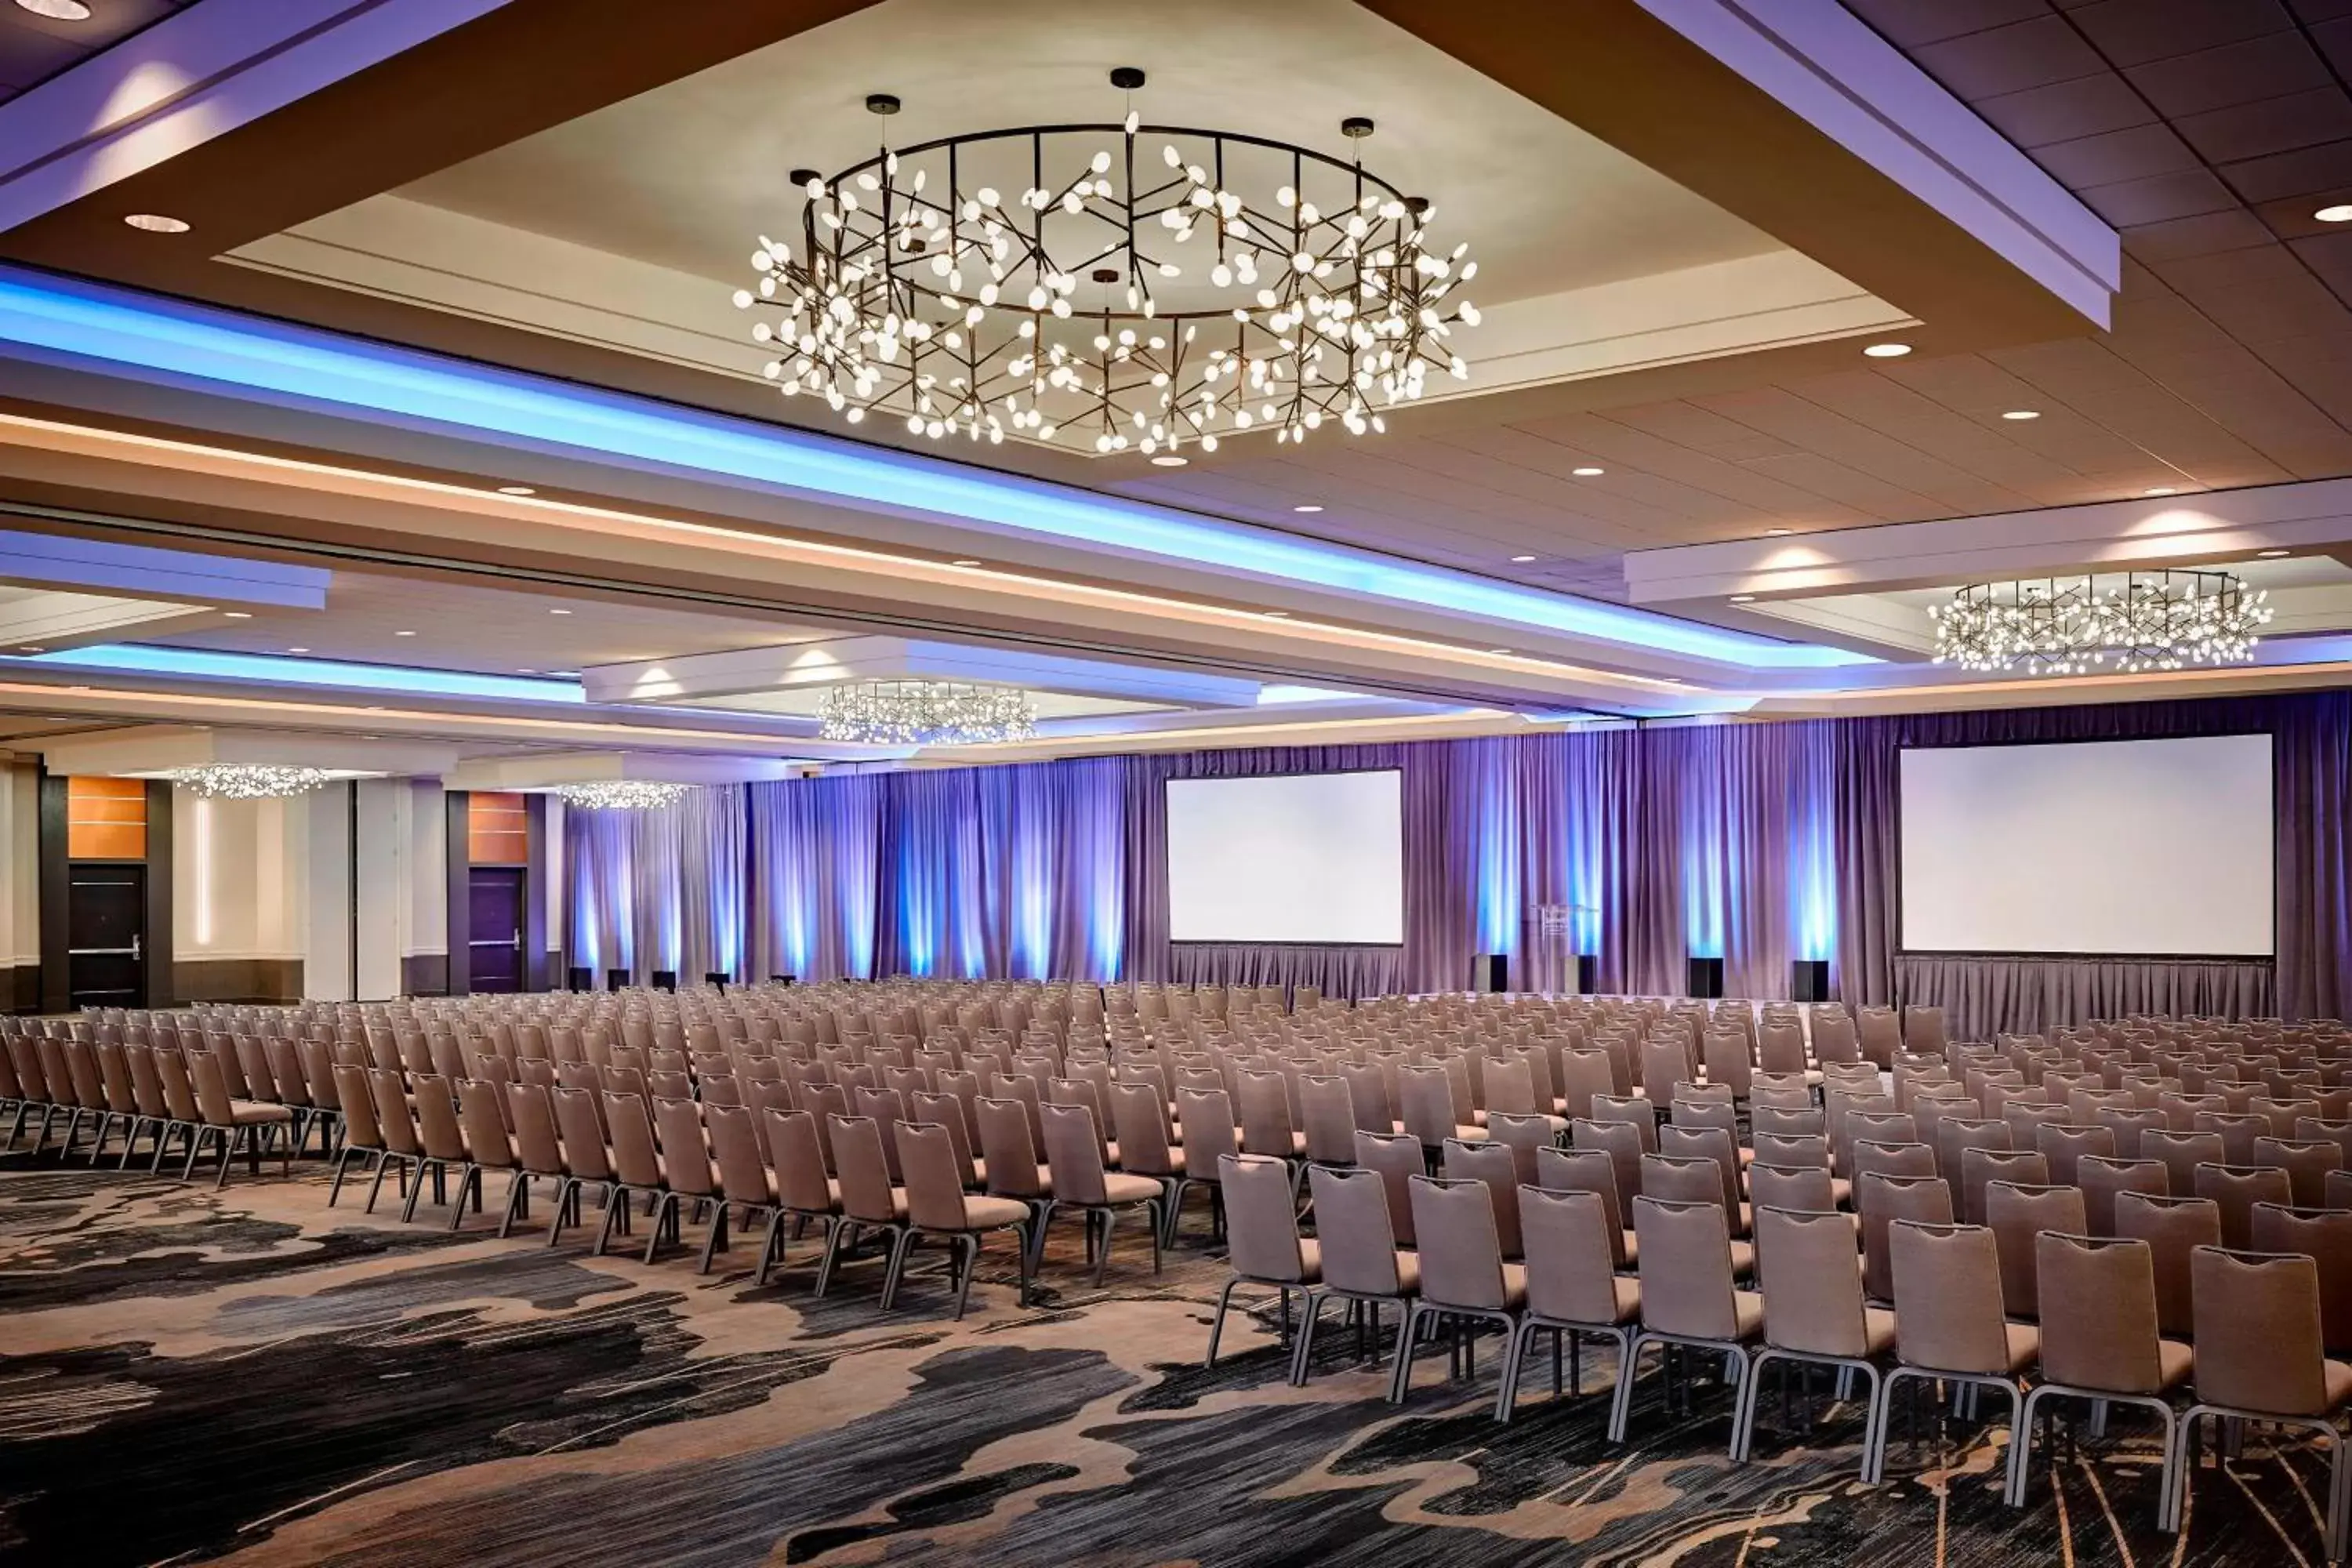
(144,658)
(148,338)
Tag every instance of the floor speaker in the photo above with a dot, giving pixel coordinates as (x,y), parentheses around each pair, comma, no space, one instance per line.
(1588,972)
(1809,980)
(665,980)
(1707,977)
(1490,972)
(616,980)
(719,978)
(580,977)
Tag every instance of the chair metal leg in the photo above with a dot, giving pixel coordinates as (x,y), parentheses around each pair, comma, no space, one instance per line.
(1400,1380)
(771,1248)
(970,1245)
(1102,1255)
(1217,1323)
(838,1233)
(1020,1239)
(1306,1346)
(469,1177)
(717,1236)
(567,1198)
(1629,1367)
(1515,1350)
(518,1185)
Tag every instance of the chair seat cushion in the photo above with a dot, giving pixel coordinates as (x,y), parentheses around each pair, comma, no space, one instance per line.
(1877,1330)
(1748,1311)
(1408,1267)
(994,1213)
(2024,1344)
(257,1113)
(1514,1286)
(1311,1261)
(1743,1259)
(2174,1362)
(2338,1378)
(1121,1188)
(1628,1294)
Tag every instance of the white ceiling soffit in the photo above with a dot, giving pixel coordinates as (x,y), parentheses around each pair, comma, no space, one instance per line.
(1590,263)
(152,750)
(42,620)
(703,678)
(57,560)
(199,73)
(547,770)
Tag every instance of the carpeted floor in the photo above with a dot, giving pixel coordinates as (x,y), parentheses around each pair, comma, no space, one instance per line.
(253,1377)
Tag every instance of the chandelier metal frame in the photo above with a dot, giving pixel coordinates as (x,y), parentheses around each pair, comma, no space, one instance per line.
(968,313)
(927,713)
(2125,622)
(247,781)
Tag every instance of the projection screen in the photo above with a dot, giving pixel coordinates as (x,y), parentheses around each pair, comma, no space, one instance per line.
(2155,847)
(1301,857)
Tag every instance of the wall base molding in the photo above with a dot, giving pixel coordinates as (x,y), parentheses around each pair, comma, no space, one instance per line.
(237,980)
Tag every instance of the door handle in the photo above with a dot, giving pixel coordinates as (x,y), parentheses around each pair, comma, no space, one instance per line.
(518,942)
(134,947)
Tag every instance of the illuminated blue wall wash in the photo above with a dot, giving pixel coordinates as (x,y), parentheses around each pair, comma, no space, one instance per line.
(141,658)
(150,339)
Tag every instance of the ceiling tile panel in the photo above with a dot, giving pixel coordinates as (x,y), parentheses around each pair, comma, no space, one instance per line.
(2011,59)
(1915,22)
(2138,154)
(2133,32)
(2271,125)
(2236,229)
(2066,110)
(2271,65)
(2160,198)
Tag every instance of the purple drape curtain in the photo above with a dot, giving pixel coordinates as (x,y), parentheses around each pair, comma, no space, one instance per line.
(1755,843)
(660,888)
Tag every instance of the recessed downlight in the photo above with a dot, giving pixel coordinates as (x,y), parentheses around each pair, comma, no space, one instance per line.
(2022,413)
(1498,650)
(1743,598)
(559,612)
(57,10)
(963,562)
(298,650)
(1521,560)
(29,647)
(1779,532)
(1168,460)
(156,223)
(517,490)
(2339,212)
(1887,351)
(404,634)
(238,615)
(1306,508)
(1588,472)
(1277,614)
(2269,554)
(565,674)
(2159,491)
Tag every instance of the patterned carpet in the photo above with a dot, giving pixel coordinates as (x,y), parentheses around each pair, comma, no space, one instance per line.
(255,1378)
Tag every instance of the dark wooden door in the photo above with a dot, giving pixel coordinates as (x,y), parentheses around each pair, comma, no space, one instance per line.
(106,935)
(494,925)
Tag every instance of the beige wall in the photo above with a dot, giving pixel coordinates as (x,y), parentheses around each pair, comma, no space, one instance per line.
(20,853)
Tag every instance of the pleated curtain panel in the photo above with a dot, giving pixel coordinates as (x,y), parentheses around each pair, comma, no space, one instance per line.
(1755,843)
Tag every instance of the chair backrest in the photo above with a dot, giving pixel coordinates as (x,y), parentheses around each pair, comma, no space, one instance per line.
(487,1137)
(1622,1141)
(1571,1241)
(360,1128)
(1261,1226)
(1948,1303)
(1683,1181)
(801,1183)
(927,1157)
(1328,1112)
(579,1118)
(1686,1267)
(1007,1150)
(538,1147)
(2101,1179)
(1979,1168)
(630,1126)
(865,1172)
(2064,1146)
(1073,1153)
(686,1153)
(1354,1227)
(2181,1153)
(2173,1228)
(1871,1158)
(1882,1200)
(1461,1259)
(1395,1156)
(2324,1236)
(2237,1189)
(212,1091)
(2015,1213)
(1492,1164)
(2098,1314)
(1709,1143)
(1811,1280)
(1793,1149)
(1428,1097)
(2129,1124)
(1792,1187)
(2259,1339)
(436,1119)
(2305,1161)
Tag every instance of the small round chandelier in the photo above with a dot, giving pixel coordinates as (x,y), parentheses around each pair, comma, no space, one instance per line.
(2126,622)
(246,781)
(1108,287)
(927,713)
(621,794)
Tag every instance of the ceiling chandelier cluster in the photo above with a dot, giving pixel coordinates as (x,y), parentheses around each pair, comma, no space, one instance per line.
(1109,287)
(928,713)
(2125,622)
(246,781)
(621,794)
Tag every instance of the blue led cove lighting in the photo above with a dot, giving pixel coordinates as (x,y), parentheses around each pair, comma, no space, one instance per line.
(144,658)
(150,339)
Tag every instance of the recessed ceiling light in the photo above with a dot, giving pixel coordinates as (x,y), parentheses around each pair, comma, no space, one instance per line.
(1887,351)
(1277,614)
(1778,532)
(404,634)
(1168,460)
(1743,598)
(559,612)
(517,490)
(1521,560)
(57,10)
(238,615)
(1306,508)
(2340,213)
(298,650)
(564,672)
(526,670)
(963,562)
(27,648)
(2271,554)
(2022,413)
(1587,473)
(155,223)
(2158,490)
(1498,650)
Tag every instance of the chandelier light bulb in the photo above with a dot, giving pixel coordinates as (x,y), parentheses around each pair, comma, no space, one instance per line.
(2131,622)
(246,781)
(927,713)
(621,794)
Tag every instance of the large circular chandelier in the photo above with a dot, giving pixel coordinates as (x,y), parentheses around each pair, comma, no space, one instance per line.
(621,794)
(2125,622)
(927,713)
(246,781)
(1108,287)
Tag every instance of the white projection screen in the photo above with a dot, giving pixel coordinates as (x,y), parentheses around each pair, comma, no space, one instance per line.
(1297,858)
(2155,847)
